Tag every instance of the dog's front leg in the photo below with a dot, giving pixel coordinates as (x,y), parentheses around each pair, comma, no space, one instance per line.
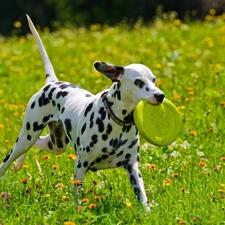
(79,174)
(137,183)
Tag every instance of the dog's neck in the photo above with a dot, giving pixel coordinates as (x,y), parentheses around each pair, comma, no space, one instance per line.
(120,105)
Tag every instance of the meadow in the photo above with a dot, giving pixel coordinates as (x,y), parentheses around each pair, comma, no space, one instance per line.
(185,182)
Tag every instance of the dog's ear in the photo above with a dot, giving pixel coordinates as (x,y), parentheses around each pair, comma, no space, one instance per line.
(115,73)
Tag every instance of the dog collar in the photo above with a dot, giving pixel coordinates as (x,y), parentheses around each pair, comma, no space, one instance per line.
(112,115)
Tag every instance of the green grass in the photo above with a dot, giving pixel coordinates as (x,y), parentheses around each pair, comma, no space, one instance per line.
(188,183)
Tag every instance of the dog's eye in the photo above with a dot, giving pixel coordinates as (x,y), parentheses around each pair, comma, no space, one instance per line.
(139,83)
(153,80)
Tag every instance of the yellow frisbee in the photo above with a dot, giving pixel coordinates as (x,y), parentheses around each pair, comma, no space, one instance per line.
(158,124)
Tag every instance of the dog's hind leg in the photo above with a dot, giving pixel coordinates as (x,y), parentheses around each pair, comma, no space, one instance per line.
(22,145)
(56,141)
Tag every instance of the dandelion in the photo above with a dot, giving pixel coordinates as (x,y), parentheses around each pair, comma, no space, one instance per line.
(1,126)
(6,142)
(69,223)
(181,221)
(152,166)
(58,156)
(97,197)
(183,189)
(46,157)
(193,133)
(128,204)
(221,190)
(24,180)
(64,197)
(175,174)
(201,163)
(72,156)
(222,158)
(85,200)
(211,129)
(77,182)
(167,182)
(176,97)
(55,167)
(17,24)
(47,195)
(92,206)
(37,185)
(25,166)
(222,103)
(60,185)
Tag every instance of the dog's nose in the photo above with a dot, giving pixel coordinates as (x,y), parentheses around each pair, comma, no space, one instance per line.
(159,97)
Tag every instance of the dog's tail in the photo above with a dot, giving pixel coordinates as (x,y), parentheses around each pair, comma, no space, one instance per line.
(49,70)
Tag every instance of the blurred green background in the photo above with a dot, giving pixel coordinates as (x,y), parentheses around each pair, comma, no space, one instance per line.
(55,13)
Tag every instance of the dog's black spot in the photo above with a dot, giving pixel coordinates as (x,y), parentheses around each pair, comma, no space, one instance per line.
(53,102)
(83,128)
(75,147)
(58,106)
(91,144)
(46,119)
(79,164)
(51,92)
(104,137)
(67,85)
(43,100)
(94,138)
(120,163)
(129,168)
(32,105)
(104,157)
(47,75)
(147,89)
(124,111)
(50,145)
(133,143)
(63,109)
(46,87)
(98,160)
(17,139)
(127,156)
(37,127)
(28,137)
(7,157)
(104,149)
(85,164)
(88,95)
(126,129)
(62,94)
(137,192)
(138,158)
(88,149)
(88,109)
(102,112)
(92,163)
(100,125)
(78,141)
(139,175)
(109,128)
(59,143)
(132,179)
(28,126)
(119,154)
(112,152)
(68,126)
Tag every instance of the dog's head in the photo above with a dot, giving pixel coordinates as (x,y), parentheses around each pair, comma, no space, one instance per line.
(137,81)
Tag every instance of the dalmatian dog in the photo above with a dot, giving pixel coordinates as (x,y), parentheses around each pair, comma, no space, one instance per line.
(99,127)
